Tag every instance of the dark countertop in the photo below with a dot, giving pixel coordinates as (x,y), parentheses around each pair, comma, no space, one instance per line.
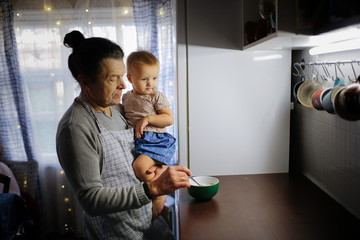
(265,206)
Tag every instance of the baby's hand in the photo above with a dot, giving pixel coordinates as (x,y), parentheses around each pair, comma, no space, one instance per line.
(140,127)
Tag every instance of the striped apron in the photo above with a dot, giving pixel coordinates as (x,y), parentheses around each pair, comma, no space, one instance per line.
(116,172)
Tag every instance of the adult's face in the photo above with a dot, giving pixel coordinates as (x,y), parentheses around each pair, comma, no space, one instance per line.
(107,89)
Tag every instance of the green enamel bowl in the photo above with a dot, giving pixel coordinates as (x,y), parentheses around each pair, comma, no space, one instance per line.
(208,189)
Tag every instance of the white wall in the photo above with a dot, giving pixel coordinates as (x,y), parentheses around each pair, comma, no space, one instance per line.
(239,111)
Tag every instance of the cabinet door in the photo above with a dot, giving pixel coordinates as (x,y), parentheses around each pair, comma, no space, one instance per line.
(214,23)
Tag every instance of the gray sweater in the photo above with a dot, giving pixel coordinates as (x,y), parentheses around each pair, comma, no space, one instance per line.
(80,154)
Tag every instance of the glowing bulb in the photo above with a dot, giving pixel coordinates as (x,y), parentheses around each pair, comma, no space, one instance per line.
(62,172)
(62,186)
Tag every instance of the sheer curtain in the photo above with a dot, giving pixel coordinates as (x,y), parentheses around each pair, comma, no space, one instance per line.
(16,134)
(40,26)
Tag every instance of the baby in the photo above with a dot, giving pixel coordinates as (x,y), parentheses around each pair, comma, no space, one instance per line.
(148,111)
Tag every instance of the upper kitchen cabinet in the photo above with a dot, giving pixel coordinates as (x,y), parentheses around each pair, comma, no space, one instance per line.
(272,24)
(326,15)
(214,23)
(264,24)
(279,24)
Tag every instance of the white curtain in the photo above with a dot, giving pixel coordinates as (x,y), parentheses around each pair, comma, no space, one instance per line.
(40,26)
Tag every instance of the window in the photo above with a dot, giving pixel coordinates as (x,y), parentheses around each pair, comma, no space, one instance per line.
(43,61)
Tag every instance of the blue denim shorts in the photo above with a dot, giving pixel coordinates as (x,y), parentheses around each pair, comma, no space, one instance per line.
(158,146)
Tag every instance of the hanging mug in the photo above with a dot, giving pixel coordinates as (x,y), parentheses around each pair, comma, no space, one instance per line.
(316,99)
(306,90)
(296,88)
(347,102)
(327,99)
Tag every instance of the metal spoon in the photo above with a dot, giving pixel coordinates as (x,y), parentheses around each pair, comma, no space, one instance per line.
(195,181)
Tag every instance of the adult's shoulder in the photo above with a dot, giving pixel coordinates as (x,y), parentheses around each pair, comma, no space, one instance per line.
(76,116)
(120,108)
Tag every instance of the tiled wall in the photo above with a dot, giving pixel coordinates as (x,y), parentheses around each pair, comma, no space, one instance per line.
(325,147)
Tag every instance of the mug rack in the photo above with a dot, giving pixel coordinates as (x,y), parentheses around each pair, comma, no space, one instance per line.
(325,65)
(335,98)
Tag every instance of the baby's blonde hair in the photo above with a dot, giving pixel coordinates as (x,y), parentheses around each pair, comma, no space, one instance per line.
(141,57)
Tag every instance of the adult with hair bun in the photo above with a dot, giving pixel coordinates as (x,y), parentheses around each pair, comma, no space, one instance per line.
(95,147)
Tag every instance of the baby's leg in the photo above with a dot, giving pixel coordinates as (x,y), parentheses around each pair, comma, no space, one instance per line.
(140,165)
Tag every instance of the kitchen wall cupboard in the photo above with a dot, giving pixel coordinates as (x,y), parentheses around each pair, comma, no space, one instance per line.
(279,24)
(233,25)
(269,21)
(265,24)
(214,23)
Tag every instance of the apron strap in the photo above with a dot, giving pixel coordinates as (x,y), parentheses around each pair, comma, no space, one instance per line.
(91,112)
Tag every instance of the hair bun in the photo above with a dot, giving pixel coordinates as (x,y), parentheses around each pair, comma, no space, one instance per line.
(73,38)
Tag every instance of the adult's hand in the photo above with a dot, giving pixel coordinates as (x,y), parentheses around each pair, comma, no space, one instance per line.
(158,205)
(171,179)
(157,169)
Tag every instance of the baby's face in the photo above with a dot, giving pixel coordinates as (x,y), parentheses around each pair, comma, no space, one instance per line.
(144,78)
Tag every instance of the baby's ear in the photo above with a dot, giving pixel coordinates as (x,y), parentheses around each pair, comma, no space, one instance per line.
(128,76)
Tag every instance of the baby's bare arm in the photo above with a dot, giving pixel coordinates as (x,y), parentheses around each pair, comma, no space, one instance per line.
(164,118)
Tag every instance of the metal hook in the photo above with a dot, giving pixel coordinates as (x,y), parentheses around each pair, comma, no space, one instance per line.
(335,73)
(297,70)
(302,69)
(352,66)
(338,66)
(314,75)
(326,71)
